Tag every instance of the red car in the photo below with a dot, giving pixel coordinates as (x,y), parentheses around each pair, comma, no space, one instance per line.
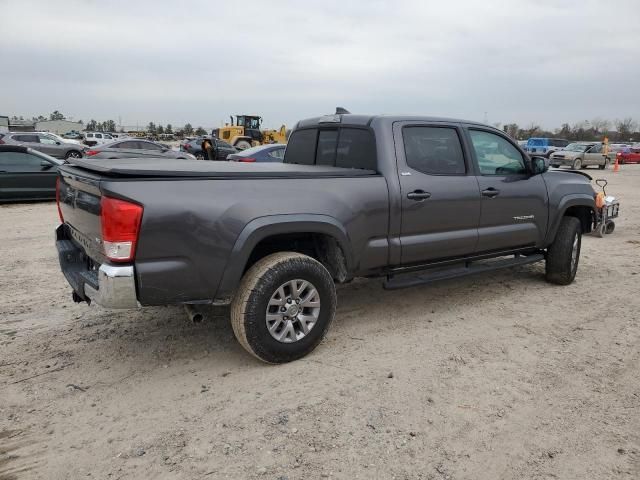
(631,156)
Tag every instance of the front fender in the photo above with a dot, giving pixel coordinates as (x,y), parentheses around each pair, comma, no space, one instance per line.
(260,228)
(567,201)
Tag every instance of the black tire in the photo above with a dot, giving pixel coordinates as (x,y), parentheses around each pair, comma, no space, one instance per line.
(609,227)
(242,145)
(73,154)
(577,164)
(561,268)
(199,156)
(250,304)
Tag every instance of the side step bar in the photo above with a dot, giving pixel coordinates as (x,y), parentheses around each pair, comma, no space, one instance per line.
(405,280)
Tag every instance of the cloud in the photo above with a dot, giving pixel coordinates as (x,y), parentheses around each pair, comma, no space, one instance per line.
(200,61)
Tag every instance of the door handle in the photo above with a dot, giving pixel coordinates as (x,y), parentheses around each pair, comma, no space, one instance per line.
(418,195)
(491,192)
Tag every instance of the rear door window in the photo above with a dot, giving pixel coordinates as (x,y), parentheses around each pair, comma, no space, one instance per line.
(433,150)
(27,138)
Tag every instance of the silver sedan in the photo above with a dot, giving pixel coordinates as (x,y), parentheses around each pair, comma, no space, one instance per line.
(135,148)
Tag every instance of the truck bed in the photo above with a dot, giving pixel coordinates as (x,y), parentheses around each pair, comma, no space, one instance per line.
(167,167)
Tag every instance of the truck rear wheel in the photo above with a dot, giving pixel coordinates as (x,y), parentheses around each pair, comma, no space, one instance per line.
(564,253)
(283,307)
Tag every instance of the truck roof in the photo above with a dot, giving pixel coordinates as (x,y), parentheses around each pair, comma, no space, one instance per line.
(367,120)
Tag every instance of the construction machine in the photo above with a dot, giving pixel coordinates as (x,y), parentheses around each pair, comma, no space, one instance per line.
(244,132)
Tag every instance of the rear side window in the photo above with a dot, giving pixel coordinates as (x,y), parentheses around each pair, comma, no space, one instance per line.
(27,138)
(433,150)
(301,148)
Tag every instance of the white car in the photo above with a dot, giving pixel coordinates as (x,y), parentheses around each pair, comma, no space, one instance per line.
(97,138)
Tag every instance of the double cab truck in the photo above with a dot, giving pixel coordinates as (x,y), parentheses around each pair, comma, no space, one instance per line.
(409,199)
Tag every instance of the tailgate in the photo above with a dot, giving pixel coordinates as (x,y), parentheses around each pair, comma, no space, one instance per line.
(79,199)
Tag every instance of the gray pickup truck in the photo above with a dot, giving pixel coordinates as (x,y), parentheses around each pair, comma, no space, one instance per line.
(411,199)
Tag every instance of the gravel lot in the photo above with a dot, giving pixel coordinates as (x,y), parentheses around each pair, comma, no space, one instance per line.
(494,377)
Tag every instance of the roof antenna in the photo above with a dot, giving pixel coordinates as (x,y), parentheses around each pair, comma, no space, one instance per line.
(341,111)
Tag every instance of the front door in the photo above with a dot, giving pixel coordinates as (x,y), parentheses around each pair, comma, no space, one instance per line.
(594,155)
(51,146)
(25,175)
(440,196)
(514,207)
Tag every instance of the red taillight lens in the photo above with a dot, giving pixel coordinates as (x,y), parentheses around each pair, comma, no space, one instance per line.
(58,199)
(120,227)
(186,146)
(90,153)
(1,142)
(246,159)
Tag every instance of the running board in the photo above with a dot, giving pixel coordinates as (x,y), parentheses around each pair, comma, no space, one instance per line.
(470,268)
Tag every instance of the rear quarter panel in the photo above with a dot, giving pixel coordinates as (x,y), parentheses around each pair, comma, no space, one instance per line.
(190,227)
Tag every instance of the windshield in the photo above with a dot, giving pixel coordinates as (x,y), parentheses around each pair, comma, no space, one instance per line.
(577,147)
(535,142)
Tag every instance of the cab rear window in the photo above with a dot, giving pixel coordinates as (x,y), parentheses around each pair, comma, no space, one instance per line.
(340,147)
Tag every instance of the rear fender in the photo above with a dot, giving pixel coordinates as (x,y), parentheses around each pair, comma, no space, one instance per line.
(260,228)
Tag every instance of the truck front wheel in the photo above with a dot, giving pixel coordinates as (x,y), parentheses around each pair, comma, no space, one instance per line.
(283,307)
(563,254)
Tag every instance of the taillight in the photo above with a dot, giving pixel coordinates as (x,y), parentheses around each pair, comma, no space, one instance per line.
(1,142)
(90,153)
(58,199)
(246,159)
(120,227)
(186,146)
(619,154)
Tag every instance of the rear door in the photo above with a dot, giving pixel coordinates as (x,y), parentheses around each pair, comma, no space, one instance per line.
(224,149)
(148,149)
(30,140)
(514,206)
(26,176)
(440,198)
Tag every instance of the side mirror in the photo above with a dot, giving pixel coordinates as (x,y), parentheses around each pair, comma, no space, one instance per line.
(58,143)
(539,165)
(45,165)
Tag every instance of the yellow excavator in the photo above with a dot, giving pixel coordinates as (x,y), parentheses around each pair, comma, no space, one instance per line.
(244,132)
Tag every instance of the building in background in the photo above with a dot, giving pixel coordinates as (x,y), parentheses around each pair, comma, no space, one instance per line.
(59,127)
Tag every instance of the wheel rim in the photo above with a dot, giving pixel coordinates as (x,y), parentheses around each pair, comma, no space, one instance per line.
(74,155)
(574,253)
(293,311)
(577,164)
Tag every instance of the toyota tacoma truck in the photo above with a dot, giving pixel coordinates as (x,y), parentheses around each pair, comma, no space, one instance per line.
(409,199)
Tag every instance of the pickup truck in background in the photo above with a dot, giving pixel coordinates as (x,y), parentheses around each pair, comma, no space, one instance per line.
(410,199)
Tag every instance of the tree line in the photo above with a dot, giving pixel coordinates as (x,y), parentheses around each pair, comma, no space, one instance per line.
(620,130)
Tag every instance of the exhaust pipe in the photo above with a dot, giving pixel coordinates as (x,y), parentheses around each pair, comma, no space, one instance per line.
(194,315)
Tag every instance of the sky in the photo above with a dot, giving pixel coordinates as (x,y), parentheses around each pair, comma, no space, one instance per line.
(542,61)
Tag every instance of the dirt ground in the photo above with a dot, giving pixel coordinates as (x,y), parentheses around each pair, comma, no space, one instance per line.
(494,377)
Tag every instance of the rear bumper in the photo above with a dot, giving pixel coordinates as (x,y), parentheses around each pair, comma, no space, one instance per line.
(109,286)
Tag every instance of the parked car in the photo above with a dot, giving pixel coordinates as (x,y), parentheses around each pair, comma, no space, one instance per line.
(133,148)
(27,174)
(44,142)
(357,196)
(581,155)
(97,138)
(194,147)
(261,153)
(630,155)
(73,135)
(544,146)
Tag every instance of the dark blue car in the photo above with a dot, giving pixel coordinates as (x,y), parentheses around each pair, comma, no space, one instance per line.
(274,152)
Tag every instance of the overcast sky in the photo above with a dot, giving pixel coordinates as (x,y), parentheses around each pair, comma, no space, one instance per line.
(200,61)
